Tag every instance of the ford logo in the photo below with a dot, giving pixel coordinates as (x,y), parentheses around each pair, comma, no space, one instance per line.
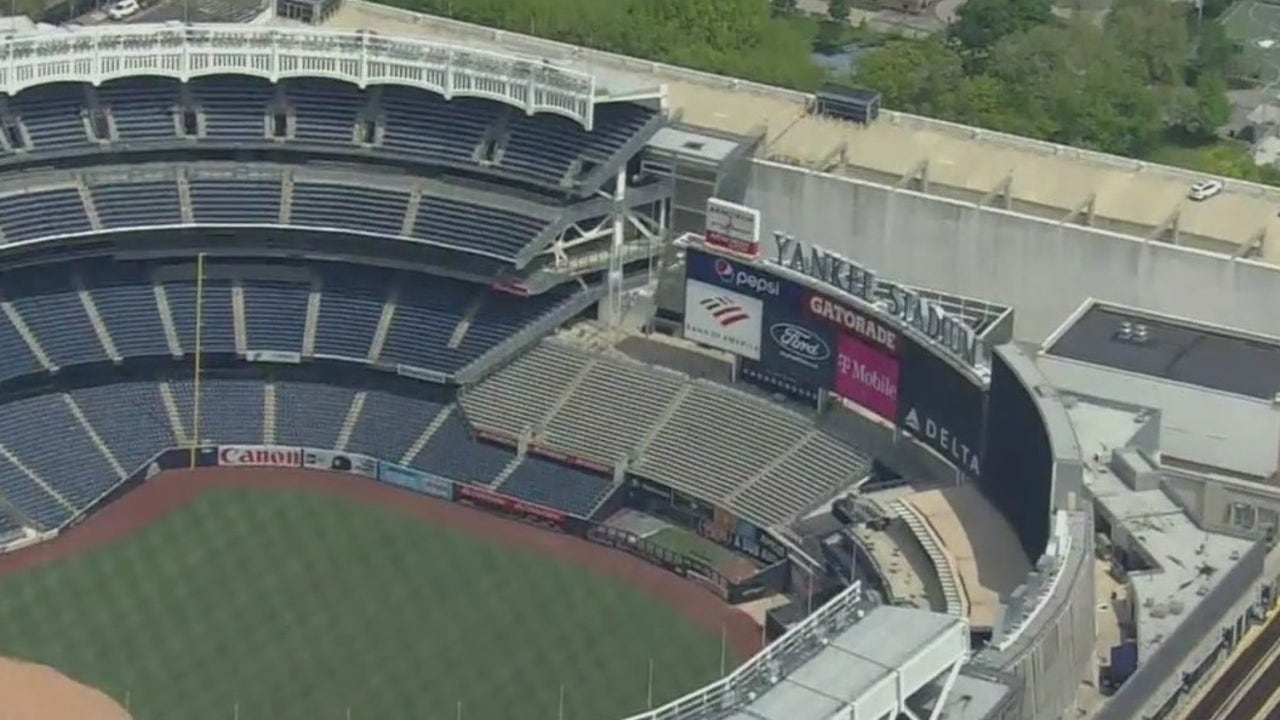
(724,269)
(800,342)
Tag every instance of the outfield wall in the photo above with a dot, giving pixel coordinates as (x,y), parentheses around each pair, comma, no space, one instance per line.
(1045,269)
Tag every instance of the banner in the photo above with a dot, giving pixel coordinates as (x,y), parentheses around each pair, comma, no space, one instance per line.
(867,376)
(259,456)
(722,319)
(731,226)
(415,480)
(485,498)
(340,462)
(273,356)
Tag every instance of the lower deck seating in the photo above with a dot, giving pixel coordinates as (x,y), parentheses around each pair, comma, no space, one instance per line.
(455,453)
(57,449)
(556,485)
(230,410)
(390,423)
(310,413)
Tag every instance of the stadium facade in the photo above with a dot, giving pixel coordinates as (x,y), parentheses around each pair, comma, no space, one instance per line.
(410,212)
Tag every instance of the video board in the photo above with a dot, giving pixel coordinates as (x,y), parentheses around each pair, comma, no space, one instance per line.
(941,407)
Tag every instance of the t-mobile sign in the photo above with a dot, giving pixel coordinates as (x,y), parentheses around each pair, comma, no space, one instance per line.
(867,376)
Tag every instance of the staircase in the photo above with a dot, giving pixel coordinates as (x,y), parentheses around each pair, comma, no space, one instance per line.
(663,419)
(464,323)
(175,417)
(237,312)
(29,337)
(99,327)
(569,390)
(166,319)
(22,467)
(353,416)
(313,321)
(286,198)
(184,200)
(90,209)
(74,407)
(942,562)
(384,327)
(506,471)
(425,437)
(411,211)
(269,413)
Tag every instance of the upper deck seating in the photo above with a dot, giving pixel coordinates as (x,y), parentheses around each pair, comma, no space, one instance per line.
(53,116)
(144,108)
(43,213)
(121,205)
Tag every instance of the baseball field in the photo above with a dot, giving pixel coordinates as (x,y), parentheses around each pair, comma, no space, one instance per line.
(287,595)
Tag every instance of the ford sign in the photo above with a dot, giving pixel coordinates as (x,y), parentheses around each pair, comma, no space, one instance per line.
(799,343)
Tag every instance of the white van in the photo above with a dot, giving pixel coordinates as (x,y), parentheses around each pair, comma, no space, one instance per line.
(122,9)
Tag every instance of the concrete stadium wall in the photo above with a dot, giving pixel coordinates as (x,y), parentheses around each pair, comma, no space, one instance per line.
(1042,268)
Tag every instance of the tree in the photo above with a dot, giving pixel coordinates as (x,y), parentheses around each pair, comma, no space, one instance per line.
(1154,33)
(918,76)
(783,8)
(980,24)
(1197,112)
(839,11)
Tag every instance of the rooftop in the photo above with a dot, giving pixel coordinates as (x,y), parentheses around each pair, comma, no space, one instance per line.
(1048,180)
(1171,349)
(1189,561)
(858,664)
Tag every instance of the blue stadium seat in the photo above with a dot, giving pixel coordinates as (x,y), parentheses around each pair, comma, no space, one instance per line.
(16,358)
(452,452)
(541,148)
(218,319)
(53,115)
(230,410)
(130,418)
(133,204)
(546,482)
(389,424)
(126,302)
(311,414)
(275,315)
(425,127)
(502,315)
(235,201)
(144,108)
(53,312)
(495,231)
(235,107)
(8,527)
(425,318)
(57,449)
(43,213)
(23,492)
(325,111)
(350,308)
(348,206)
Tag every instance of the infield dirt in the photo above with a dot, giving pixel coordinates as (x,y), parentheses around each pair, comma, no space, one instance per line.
(172,490)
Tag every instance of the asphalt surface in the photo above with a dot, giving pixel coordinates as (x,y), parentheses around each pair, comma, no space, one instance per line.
(1252,702)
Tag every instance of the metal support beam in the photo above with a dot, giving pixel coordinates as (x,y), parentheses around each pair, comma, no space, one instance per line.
(917,178)
(616,259)
(1083,211)
(1167,230)
(950,682)
(1003,191)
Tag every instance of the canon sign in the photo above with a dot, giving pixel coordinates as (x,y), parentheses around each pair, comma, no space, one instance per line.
(259,456)
(738,277)
(797,343)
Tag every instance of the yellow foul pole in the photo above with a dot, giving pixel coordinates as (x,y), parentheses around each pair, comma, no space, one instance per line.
(195,403)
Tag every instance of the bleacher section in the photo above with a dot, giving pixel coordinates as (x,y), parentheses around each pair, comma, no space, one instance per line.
(769,463)
(310,413)
(230,410)
(557,485)
(406,124)
(455,453)
(389,423)
(149,195)
(275,315)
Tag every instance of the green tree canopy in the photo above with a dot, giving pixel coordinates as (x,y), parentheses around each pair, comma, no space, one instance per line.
(980,24)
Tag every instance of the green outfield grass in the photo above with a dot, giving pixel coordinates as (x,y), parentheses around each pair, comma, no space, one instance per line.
(684,542)
(298,606)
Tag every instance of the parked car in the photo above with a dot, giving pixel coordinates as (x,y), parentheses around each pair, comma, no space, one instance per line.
(1204,189)
(122,9)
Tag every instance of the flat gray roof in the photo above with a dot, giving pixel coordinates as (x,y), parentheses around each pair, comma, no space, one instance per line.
(852,664)
(700,145)
(1189,560)
(1048,180)
(1172,349)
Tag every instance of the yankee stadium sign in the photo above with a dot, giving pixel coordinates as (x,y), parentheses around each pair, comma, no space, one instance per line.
(903,303)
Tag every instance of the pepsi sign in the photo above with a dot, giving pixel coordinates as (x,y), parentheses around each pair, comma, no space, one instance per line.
(738,276)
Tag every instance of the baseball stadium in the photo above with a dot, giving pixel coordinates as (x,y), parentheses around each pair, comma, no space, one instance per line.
(356,363)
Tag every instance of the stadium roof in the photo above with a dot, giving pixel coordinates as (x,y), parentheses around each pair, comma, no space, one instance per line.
(1170,348)
(863,665)
(1049,180)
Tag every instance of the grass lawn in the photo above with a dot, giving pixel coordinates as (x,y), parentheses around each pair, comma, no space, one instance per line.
(684,542)
(297,606)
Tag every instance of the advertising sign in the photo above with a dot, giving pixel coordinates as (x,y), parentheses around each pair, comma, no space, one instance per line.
(340,462)
(866,376)
(259,456)
(941,407)
(415,480)
(797,351)
(483,497)
(723,319)
(733,227)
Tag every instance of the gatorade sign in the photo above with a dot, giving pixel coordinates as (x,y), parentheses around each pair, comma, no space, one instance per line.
(259,456)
